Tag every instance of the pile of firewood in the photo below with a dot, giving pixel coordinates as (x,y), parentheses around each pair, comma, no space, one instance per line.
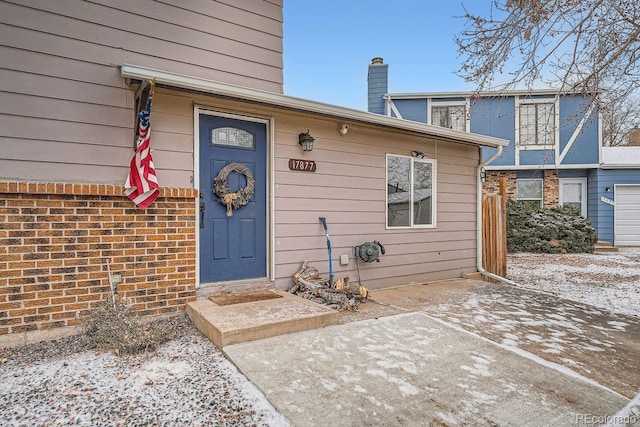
(339,294)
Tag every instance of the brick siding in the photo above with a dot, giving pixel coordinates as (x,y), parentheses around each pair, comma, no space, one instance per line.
(550,189)
(550,186)
(56,239)
(492,183)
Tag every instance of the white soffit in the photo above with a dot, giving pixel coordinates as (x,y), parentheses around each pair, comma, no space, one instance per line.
(167,78)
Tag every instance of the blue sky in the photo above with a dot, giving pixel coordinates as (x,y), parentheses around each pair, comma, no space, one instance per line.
(329,44)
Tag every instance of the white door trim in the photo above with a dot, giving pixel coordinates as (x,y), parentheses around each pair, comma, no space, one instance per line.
(583,182)
(269,123)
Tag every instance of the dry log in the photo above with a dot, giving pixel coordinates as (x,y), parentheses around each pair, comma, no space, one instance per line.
(309,285)
(331,297)
(344,295)
(364,292)
(351,289)
(306,272)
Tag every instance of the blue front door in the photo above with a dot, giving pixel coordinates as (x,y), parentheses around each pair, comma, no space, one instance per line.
(232,247)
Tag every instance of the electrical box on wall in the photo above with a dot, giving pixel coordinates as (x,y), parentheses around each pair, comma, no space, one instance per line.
(344,259)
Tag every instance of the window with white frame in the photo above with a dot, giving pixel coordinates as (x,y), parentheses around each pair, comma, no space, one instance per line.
(529,191)
(537,124)
(449,116)
(411,190)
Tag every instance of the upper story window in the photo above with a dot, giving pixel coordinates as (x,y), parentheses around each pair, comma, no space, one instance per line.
(410,192)
(537,124)
(449,116)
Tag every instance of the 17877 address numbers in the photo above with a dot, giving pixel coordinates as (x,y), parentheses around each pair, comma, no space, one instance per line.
(302,165)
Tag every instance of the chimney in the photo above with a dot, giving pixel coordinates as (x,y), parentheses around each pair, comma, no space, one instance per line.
(377,85)
(634,137)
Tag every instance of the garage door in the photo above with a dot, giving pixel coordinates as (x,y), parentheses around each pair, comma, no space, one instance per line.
(627,215)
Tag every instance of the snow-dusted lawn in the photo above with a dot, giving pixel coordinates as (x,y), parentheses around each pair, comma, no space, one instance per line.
(186,382)
(609,281)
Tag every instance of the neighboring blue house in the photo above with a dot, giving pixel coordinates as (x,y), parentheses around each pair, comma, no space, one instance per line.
(615,189)
(555,155)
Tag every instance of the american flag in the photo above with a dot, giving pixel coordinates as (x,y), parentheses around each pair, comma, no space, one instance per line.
(141,185)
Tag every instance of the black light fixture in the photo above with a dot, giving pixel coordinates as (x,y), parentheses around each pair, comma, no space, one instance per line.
(306,141)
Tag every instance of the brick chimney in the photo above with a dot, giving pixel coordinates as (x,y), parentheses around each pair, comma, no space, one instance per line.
(634,137)
(377,85)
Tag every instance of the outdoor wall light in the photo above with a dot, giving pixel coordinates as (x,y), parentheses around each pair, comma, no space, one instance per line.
(607,189)
(418,154)
(306,141)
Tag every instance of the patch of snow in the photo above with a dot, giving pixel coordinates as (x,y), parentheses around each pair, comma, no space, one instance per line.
(552,348)
(535,338)
(619,326)
(406,366)
(360,389)
(481,367)
(482,398)
(329,385)
(533,357)
(606,281)
(509,343)
(448,418)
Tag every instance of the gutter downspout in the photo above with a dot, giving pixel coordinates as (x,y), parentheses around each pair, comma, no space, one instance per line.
(481,270)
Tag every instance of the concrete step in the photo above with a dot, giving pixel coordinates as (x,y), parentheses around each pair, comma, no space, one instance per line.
(253,320)
(604,247)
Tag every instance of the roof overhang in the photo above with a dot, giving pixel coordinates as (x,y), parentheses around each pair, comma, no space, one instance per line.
(484,94)
(180,81)
(622,157)
(551,166)
(620,166)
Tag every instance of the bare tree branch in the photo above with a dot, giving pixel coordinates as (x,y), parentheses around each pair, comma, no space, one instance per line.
(600,34)
(581,46)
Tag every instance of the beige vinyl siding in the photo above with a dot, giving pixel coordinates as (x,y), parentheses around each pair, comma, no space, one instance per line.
(66,114)
(349,189)
(136,29)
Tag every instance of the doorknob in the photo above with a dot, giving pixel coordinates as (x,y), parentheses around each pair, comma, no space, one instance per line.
(201,214)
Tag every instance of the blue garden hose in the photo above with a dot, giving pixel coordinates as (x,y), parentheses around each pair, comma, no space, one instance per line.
(326,231)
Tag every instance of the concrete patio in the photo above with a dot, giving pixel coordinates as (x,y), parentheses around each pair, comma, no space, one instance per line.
(451,353)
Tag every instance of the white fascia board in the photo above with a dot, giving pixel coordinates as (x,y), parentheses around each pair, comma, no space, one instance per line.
(544,167)
(170,79)
(468,94)
(620,166)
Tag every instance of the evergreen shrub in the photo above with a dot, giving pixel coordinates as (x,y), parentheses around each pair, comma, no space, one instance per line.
(551,230)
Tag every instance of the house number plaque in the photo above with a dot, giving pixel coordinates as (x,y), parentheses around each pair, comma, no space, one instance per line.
(302,165)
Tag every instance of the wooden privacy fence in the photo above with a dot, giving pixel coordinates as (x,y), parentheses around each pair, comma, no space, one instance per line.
(494,234)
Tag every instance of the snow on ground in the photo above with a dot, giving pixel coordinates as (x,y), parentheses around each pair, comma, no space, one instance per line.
(187,381)
(610,281)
